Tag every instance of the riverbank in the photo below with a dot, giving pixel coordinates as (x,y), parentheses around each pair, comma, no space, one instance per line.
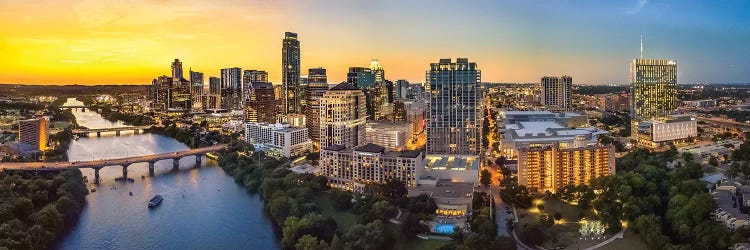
(39,208)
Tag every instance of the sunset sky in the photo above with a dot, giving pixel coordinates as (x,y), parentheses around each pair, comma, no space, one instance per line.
(134,41)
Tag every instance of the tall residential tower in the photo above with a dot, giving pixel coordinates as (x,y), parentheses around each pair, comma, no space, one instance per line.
(454,116)
(290,73)
(556,93)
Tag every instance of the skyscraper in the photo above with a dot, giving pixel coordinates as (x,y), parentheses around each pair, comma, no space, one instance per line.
(653,88)
(249,78)
(556,93)
(360,77)
(342,116)
(316,88)
(34,132)
(400,89)
(231,88)
(260,106)
(214,85)
(177,69)
(196,83)
(290,73)
(454,111)
(377,69)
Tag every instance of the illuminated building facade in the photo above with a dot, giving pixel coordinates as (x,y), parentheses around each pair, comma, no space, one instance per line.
(317,86)
(278,140)
(214,85)
(454,117)
(556,93)
(260,105)
(231,88)
(342,116)
(290,73)
(391,135)
(550,167)
(249,78)
(355,168)
(34,132)
(653,88)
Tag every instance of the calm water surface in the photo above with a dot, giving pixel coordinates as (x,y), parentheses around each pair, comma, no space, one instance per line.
(203,207)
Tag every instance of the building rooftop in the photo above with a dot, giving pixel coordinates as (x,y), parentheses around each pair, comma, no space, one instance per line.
(452,162)
(344,86)
(726,204)
(335,147)
(410,153)
(370,148)
(445,190)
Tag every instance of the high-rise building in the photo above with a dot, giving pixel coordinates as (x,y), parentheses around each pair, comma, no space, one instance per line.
(653,88)
(34,132)
(260,106)
(214,85)
(196,83)
(249,79)
(454,118)
(377,69)
(231,88)
(342,116)
(171,92)
(290,73)
(317,86)
(360,77)
(556,93)
(549,168)
(177,69)
(401,89)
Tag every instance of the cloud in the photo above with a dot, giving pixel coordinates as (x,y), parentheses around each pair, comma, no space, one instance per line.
(637,8)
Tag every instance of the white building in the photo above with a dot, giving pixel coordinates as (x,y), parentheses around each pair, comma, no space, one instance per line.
(391,135)
(662,132)
(544,133)
(278,140)
(567,119)
(355,168)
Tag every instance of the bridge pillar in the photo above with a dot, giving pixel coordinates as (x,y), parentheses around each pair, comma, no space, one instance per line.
(176,164)
(151,168)
(96,175)
(117,132)
(136,131)
(125,172)
(98,134)
(198,160)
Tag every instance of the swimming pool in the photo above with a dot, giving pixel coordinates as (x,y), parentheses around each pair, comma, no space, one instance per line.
(444,228)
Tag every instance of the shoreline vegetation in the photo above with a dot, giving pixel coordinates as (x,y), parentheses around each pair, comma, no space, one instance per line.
(39,208)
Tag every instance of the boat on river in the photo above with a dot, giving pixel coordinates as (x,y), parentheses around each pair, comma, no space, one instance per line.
(155,201)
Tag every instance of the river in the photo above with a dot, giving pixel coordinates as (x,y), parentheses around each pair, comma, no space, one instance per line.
(203,207)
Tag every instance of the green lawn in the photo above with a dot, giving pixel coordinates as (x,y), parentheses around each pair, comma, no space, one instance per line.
(629,241)
(344,219)
(563,233)
(60,125)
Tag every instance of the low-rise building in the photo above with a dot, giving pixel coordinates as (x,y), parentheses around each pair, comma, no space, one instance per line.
(391,135)
(660,133)
(568,119)
(451,198)
(278,140)
(355,169)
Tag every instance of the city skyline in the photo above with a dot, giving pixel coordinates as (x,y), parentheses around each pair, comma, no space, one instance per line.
(96,42)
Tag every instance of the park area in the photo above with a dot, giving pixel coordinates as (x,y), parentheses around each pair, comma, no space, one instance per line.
(552,223)
(346,219)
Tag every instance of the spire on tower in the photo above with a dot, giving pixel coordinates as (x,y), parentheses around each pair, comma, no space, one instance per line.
(641,46)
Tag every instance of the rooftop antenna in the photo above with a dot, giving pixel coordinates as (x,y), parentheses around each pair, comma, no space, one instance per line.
(641,46)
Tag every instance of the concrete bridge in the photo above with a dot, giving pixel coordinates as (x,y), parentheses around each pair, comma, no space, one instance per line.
(98,131)
(73,107)
(199,153)
(745,127)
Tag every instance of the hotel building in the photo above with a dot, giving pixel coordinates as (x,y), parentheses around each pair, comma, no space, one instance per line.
(355,168)
(34,132)
(278,140)
(342,116)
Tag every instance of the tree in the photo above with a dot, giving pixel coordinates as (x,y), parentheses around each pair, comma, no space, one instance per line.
(340,199)
(411,225)
(393,189)
(485,177)
(368,237)
(309,242)
(383,210)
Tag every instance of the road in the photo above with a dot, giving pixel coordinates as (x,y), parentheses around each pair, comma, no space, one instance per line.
(110,162)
